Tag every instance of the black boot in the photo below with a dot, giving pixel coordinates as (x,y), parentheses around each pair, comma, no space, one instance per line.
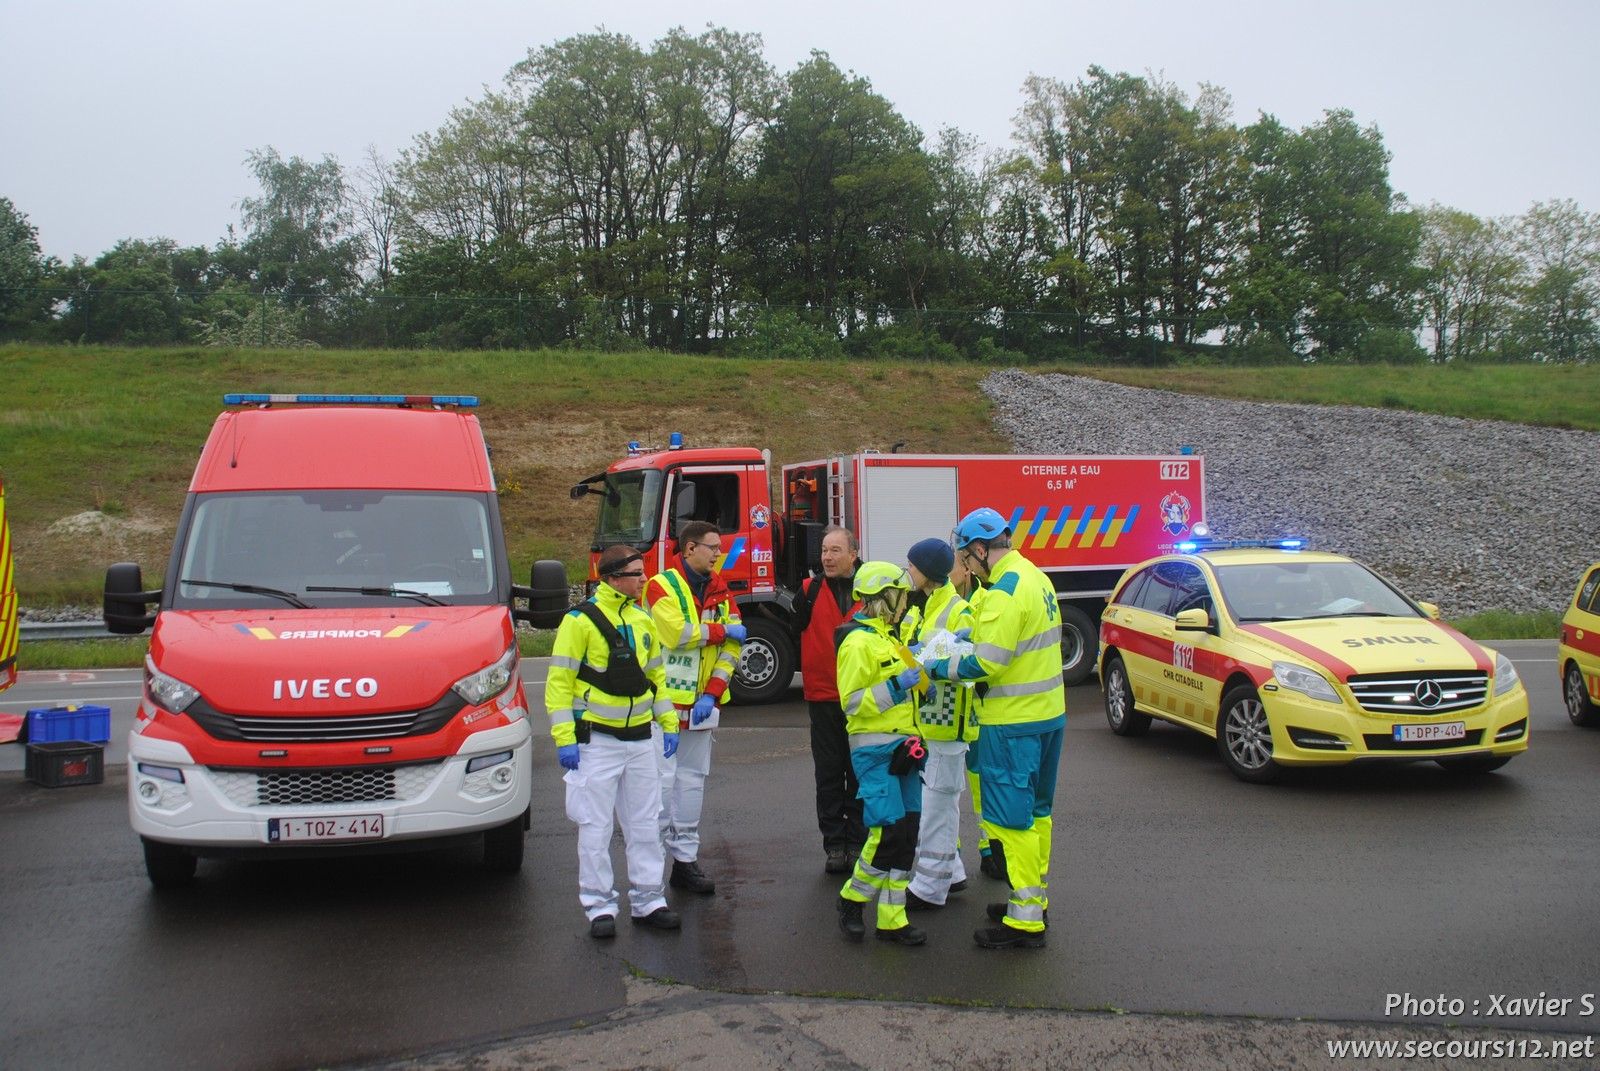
(998,912)
(1008,937)
(688,876)
(850,919)
(905,935)
(994,864)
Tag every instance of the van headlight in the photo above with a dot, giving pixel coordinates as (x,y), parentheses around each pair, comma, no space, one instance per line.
(1305,681)
(1505,674)
(480,687)
(171,693)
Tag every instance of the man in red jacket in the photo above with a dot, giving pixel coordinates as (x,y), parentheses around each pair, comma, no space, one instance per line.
(825,603)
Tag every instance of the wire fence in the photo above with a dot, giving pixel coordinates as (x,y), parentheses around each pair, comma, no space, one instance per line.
(392,320)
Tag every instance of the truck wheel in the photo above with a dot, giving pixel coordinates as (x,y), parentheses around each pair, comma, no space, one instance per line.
(502,846)
(169,866)
(766,662)
(1080,645)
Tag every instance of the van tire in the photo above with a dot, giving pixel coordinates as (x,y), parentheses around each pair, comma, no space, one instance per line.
(766,662)
(1080,645)
(503,845)
(169,866)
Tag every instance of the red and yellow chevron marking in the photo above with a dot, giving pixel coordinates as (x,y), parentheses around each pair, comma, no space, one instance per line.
(8,602)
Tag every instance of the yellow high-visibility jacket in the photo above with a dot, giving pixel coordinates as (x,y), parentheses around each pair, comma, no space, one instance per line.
(698,657)
(579,642)
(945,712)
(874,705)
(1016,646)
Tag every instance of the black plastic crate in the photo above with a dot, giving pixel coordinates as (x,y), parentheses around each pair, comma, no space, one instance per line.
(64,763)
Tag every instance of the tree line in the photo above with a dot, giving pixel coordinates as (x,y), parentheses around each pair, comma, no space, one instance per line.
(688,197)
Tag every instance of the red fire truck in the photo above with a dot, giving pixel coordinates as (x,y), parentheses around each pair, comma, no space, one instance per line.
(1083,520)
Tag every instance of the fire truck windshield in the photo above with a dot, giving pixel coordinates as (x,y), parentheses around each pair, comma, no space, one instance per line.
(433,544)
(630,509)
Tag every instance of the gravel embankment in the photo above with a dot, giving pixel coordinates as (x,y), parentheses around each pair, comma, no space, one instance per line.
(1471,514)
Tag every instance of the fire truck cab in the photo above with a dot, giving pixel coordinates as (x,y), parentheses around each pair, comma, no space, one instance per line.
(1083,520)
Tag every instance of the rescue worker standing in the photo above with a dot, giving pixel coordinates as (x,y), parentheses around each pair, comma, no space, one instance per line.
(1022,707)
(698,626)
(944,718)
(991,857)
(603,692)
(880,713)
(825,603)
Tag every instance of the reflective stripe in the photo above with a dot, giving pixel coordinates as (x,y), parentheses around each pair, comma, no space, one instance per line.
(942,857)
(565,662)
(993,652)
(863,888)
(894,894)
(647,893)
(720,674)
(1025,912)
(663,706)
(944,615)
(610,710)
(882,696)
(936,875)
(1005,691)
(560,717)
(852,702)
(1029,892)
(860,740)
(705,635)
(686,829)
(1050,637)
(654,663)
(598,894)
(952,669)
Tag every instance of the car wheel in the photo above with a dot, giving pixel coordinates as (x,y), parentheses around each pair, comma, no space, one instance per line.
(1244,737)
(1080,645)
(1474,764)
(1120,713)
(1580,709)
(766,662)
(169,866)
(503,846)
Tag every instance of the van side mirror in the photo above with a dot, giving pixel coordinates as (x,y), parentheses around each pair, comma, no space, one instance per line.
(124,600)
(546,594)
(1431,610)
(1195,620)
(684,501)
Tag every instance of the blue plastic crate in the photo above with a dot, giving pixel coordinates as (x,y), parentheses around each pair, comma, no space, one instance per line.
(87,722)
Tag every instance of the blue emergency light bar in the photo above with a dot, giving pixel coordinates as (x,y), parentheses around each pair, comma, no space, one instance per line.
(1191,546)
(465,401)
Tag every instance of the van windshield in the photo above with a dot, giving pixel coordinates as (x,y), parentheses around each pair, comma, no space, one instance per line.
(436,544)
(630,509)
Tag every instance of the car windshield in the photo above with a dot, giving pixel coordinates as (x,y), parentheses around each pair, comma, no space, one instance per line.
(434,545)
(630,508)
(1292,590)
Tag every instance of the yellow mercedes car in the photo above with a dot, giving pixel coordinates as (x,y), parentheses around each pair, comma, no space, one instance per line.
(1292,657)
(1579,651)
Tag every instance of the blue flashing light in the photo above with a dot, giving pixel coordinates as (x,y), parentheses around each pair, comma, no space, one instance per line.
(1292,544)
(633,448)
(1188,546)
(1186,450)
(464,401)
(675,441)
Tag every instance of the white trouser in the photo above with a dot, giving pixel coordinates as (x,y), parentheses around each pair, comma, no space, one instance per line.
(616,776)
(683,791)
(944,779)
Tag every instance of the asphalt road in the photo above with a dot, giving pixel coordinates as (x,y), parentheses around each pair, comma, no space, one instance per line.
(1175,888)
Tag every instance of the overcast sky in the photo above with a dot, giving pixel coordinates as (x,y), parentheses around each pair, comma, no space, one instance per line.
(123,119)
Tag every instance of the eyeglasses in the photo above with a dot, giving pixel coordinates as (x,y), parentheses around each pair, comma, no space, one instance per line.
(714,548)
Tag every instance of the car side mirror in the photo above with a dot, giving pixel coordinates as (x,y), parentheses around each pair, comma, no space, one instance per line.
(124,601)
(1431,610)
(1195,620)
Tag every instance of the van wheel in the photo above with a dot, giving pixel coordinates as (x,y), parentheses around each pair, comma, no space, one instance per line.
(1474,764)
(1244,737)
(1120,713)
(169,866)
(766,662)
(1580,709)
(502,845)
(1080,645)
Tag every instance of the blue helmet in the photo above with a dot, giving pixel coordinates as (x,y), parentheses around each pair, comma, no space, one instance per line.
(983,523)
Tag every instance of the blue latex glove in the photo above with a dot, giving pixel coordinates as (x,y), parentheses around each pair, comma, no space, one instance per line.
(908,677)
(568,754)
(736,633)
(669,745)
(939,669)
(963,634)
(914,648)
(701,709)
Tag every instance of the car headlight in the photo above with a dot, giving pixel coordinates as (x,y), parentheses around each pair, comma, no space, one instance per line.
(171,693)
(1505,674)
(1305,681)
(482,686)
